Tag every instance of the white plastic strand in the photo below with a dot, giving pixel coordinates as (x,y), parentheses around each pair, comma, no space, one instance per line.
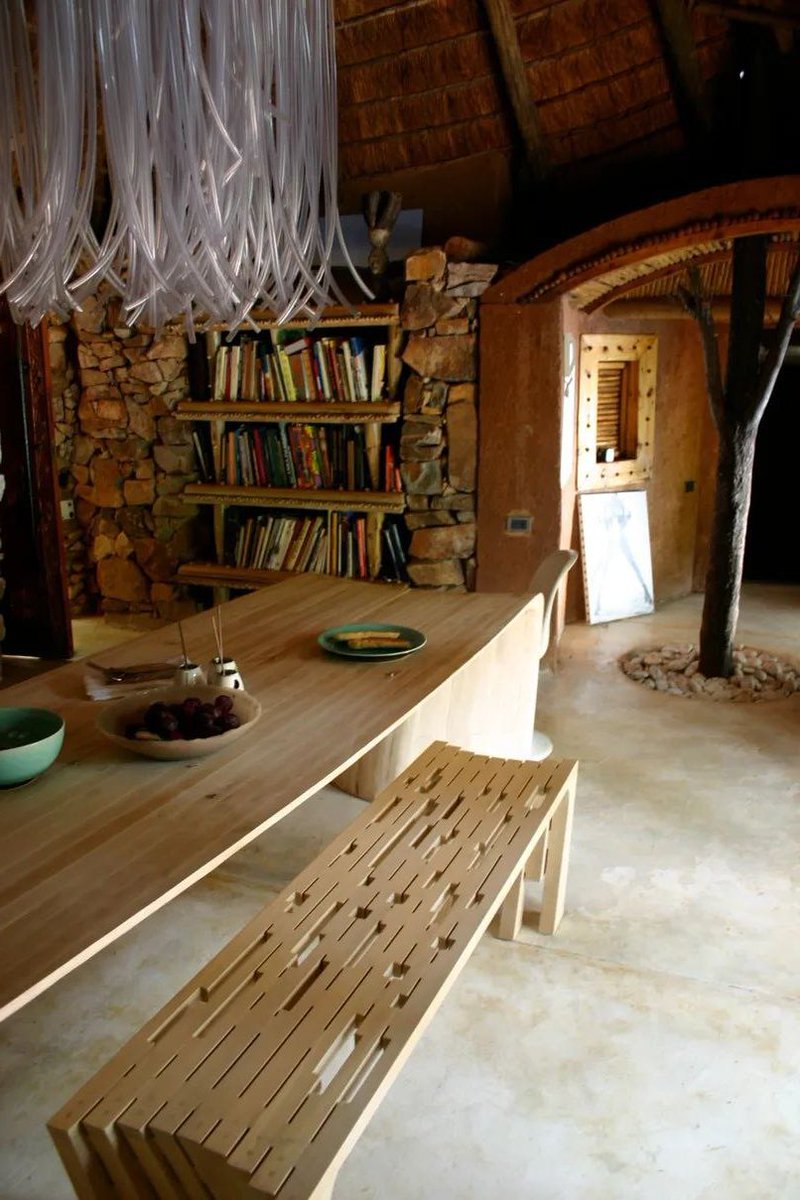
(220,127)
(48,143)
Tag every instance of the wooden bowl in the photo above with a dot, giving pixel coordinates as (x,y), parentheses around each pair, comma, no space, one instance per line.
(117,715)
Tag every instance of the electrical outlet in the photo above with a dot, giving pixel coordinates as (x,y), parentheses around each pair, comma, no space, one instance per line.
(67,510)
(519,523)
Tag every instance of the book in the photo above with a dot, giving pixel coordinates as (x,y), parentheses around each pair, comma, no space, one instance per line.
(232,373)
(202,455)
(291,477)
(359,356)
(220,371)
(378,377)
(322,368)
(347,354)
(249,389)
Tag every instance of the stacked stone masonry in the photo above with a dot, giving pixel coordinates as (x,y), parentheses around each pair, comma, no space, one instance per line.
(439,435)
(123,459)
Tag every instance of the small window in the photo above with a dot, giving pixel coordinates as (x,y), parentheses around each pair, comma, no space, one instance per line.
(617,411)
(616,416)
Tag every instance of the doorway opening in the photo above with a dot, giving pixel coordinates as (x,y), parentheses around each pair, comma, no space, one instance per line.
(772,551)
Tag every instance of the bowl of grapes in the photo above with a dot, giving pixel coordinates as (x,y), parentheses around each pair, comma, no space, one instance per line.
(179,722)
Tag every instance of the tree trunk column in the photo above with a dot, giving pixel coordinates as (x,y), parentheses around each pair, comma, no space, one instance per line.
(723,581)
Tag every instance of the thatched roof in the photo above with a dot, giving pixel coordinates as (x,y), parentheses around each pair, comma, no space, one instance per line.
(421,85)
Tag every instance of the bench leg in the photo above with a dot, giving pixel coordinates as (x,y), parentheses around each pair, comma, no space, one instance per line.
(534,867)
(511,910)
(555,871)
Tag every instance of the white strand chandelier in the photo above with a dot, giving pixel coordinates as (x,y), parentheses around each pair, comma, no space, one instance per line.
(219,120)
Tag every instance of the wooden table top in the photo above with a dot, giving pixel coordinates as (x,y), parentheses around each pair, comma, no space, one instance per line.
(104,838)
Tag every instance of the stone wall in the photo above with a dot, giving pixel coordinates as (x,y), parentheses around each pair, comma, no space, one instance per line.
(439,434)
(124,459)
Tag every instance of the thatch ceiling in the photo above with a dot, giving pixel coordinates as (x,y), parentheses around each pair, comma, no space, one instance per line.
(419,80)
(421,86)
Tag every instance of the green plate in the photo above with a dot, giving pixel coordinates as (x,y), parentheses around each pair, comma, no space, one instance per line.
(330,640)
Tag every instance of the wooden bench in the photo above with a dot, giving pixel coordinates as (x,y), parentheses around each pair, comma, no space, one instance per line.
(258,1077)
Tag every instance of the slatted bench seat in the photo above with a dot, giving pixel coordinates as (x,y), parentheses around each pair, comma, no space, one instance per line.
(258,1077)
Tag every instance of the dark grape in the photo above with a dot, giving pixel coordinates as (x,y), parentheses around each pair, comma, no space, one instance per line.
(190,719)
(154,715)
(204,724)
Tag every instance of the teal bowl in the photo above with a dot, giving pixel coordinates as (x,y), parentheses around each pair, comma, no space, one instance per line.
(30,739)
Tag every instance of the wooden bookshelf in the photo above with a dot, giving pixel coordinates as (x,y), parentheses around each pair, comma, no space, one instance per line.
(219,416)
(301,412)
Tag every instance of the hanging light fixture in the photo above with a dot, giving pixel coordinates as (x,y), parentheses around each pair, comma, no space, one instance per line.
(220,131)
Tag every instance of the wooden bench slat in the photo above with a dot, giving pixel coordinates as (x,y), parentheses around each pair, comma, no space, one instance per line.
(258,1077)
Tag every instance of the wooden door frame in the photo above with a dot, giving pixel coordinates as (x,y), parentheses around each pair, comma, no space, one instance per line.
(35,473)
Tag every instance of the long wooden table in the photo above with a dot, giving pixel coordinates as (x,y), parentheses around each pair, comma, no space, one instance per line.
(104,838)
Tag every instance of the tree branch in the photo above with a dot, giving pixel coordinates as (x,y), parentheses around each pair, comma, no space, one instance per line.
(699,308)
(770,369)
(746,336)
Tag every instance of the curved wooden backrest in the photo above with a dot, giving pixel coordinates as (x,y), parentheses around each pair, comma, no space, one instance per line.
(547,579)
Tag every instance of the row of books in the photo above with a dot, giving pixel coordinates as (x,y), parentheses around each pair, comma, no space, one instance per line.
(334,544)
(287,366)
(290,455)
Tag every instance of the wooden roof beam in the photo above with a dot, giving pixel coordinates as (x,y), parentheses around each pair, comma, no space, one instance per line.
(669,308)
(515,78)
(683,70)
(783,24)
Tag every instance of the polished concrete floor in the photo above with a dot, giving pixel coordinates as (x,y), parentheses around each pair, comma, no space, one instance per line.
(649,1051)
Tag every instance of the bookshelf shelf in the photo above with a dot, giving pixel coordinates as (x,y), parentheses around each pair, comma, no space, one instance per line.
(321,499)
(222,575)
(346,360)
(334,317)
(300,411)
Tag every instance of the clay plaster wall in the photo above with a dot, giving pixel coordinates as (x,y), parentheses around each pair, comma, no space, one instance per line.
(522,357)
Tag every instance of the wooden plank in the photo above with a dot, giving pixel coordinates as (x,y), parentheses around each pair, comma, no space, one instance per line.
(105,838)
(330,413)
(259,1077)
(272,497)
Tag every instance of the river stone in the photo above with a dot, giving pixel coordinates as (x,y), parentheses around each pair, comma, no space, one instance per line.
(450,358)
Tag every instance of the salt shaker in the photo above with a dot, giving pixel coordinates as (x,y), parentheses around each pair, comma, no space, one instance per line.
(224,673)
(189,674)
